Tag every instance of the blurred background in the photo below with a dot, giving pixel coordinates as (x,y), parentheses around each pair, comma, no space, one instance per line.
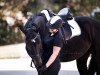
(15,12)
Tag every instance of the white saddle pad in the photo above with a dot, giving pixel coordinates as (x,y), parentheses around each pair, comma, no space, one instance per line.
(76,31)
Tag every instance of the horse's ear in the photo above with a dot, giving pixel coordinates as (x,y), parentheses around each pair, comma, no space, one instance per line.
(21,28)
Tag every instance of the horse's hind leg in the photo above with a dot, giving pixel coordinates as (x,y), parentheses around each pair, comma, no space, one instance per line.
(91,67)
(82,64)
(98,65)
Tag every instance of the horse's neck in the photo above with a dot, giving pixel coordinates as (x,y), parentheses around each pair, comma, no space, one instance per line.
(41,22)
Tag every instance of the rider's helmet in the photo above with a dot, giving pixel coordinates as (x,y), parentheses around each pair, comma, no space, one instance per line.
(55,22)
(65,14)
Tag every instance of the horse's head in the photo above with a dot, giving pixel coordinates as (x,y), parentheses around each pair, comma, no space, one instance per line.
(33,44)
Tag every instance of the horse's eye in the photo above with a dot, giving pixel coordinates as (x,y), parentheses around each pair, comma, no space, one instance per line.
(34,28)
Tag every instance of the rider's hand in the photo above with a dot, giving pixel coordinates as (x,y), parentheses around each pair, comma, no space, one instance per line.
(43,68)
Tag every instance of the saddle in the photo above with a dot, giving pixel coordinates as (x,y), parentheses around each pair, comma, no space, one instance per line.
(68,18)
(70,29)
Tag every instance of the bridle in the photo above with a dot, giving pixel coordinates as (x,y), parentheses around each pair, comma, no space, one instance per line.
(33,40)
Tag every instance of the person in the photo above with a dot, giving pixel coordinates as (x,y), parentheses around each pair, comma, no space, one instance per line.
(52,43)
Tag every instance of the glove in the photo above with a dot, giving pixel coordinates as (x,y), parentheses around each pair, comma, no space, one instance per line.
(42,68)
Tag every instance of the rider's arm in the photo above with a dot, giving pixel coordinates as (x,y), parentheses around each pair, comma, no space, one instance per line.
(57,45)
(55,53)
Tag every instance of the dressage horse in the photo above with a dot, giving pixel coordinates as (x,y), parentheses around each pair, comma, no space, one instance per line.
(77,48)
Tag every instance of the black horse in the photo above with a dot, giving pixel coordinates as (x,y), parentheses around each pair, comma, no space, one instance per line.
(77,48)
(80,47)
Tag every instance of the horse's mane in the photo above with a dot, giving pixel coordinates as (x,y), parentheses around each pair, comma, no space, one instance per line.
(30,23)
(39,14)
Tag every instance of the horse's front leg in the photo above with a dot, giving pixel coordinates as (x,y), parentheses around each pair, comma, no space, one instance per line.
(92,67)
(82,67)
(82,64)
